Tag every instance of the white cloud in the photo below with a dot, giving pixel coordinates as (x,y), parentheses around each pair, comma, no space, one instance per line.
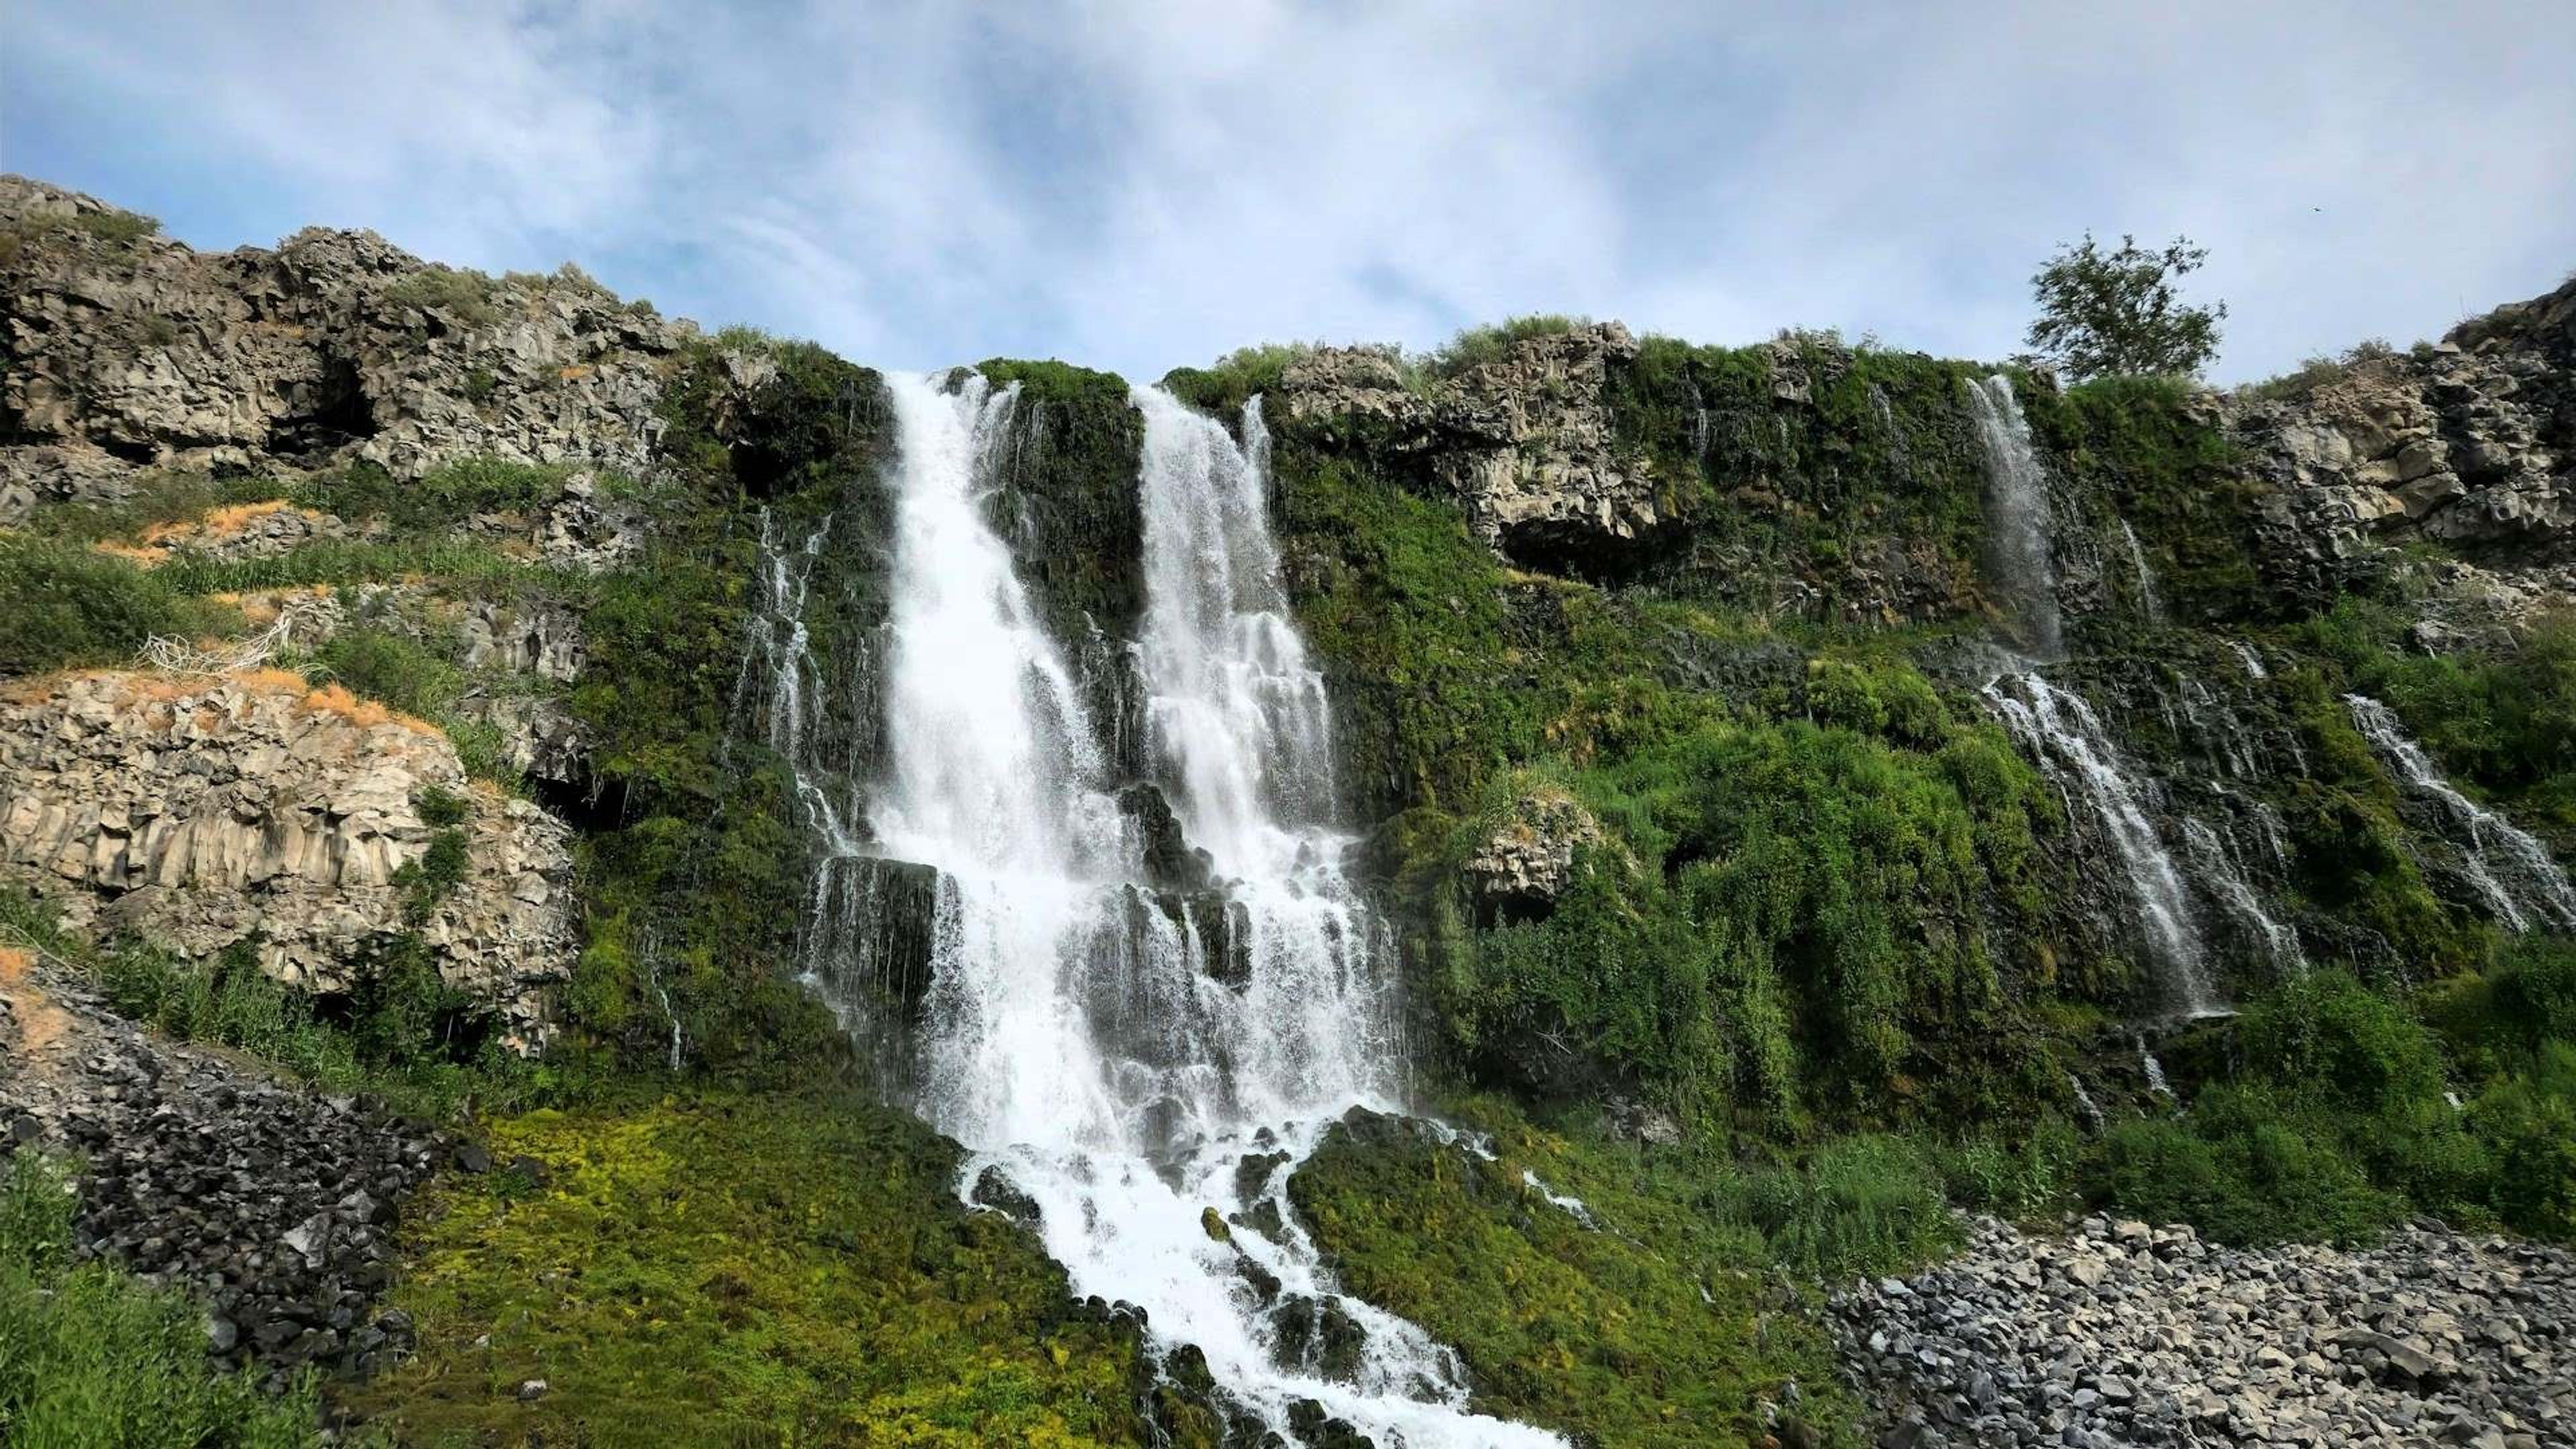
(1139,185)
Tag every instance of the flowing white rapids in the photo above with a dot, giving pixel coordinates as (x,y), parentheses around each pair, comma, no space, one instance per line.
(2514,873)
(1083,1033)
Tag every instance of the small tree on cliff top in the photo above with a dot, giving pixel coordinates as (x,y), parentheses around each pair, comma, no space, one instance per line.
(2116,313)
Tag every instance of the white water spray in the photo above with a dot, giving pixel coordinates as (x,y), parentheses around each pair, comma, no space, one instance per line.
(2061,733)
(1083,1033)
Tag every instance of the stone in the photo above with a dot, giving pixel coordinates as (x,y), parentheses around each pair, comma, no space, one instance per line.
(197,810)
(2010,1344)
(1526,860)
(333,347)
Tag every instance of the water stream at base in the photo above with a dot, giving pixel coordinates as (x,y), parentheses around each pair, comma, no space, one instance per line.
(1084,1031)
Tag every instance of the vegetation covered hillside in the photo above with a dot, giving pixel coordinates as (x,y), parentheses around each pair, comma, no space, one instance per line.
(389,708)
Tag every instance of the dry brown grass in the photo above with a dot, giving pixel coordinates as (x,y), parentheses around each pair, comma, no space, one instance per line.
(154,545)
(40,1022)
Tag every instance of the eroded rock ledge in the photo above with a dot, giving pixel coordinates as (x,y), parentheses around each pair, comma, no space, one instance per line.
(2124,1334)
(199,811)
(2470,443)
(128,351)
(1525,443)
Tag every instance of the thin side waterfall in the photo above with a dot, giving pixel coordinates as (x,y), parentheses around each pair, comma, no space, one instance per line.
(2019,532)
(2217,866)
(2063,735)
(2149,601)
(2512,872)
(1086,1032)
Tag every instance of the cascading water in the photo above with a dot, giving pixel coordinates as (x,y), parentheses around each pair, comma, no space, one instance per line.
(2511,871)
(2150,602)
(2217,865)
(2019,534)
(1085,1030)
(2061,732)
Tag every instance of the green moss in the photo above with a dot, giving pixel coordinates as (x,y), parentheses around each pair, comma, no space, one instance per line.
(741,1269)
(1225,385)
(1876,472)
(1067,499)
(1659,1327)
(2138,449)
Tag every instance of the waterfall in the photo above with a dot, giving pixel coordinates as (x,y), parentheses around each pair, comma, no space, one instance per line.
(2217,866)
(2154,1069)
(2253,662)
(2512,872)
(2062,734)
(2017,506)
(2084,1104)
(1139,1058)
(2149,602)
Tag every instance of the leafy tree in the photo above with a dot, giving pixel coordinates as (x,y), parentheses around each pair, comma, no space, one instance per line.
(2115,313)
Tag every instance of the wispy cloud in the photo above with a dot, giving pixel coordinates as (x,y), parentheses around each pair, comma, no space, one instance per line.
(1140,185)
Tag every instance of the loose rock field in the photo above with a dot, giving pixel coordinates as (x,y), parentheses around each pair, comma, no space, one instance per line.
(2124,1334)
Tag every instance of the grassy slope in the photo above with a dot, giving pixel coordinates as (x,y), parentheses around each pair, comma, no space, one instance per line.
(736,1269)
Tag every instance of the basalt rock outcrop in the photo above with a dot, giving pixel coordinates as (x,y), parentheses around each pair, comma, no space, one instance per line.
(1521,866)
(124,351)
(1525,443)
(203,812)
(2469,443)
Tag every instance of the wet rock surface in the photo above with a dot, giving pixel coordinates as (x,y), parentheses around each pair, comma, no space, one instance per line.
(275,1207)
(2124,1334)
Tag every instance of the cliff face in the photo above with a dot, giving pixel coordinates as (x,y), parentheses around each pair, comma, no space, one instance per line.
(551,525)
(205,811)
(126,351)
(2469,445)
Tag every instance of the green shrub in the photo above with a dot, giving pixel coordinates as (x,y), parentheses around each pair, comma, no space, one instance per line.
(2024,1179)
(1492,342)
(2244,1168)
(2325,1038)
(2526,1119)
(1857,1206)
(466,295)
(64,605)
(157,498)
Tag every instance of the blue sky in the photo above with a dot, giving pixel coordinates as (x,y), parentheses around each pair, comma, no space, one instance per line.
(1144,185)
